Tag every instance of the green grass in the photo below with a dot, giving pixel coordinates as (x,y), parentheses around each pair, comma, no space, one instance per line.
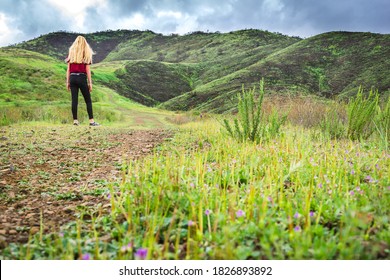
(205,196)
(204,71)
(33,90)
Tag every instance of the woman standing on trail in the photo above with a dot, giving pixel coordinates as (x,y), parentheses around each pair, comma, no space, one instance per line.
(79,61)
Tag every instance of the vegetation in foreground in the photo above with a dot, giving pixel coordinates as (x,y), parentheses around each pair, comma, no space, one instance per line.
(204,195)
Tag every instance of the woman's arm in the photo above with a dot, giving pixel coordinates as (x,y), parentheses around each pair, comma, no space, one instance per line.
(89,77)
(67,78)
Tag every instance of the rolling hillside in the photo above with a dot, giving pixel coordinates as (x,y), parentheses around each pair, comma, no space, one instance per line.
(204,71)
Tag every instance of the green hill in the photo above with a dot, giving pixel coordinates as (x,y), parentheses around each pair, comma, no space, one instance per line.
(33,89)
(204,71)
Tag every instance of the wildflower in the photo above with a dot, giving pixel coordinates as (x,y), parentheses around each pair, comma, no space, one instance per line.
(320,185)
(108,196)
(240,213)
(86,257)
(311,214)
(352,172)
(207,212)
(297,228)
(351,192)
(126,248)
(191,223)
(141,253)
(296,215)
(192,185)
(61,234)
(269,199)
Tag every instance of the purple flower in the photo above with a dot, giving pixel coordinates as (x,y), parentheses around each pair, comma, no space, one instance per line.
(86,257)
(297,228)
(126,248)
(240,213)
(351,192)
(207,212)
(296,215)
(269,199)
(352,172)
(108,196)
(311,214)
(141,253)
(320,185)
(191,223)
(61,234)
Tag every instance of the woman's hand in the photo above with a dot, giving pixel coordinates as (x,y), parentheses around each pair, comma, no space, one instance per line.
(68,86)
(90,87)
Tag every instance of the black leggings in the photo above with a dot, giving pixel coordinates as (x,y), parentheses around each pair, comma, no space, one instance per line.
(80,82)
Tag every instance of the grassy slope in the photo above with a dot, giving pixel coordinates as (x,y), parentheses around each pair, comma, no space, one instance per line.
(57,44)
(204,71)
(33,89)
(328,65)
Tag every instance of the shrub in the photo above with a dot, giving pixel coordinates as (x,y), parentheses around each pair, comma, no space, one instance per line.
(382,123)
(251,124)
(332,125)
(361,114)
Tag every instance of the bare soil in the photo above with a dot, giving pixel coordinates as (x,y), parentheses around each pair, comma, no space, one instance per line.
(47,174)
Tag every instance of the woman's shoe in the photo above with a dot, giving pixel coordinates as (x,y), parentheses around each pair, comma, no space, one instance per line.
(76,123)
(94,124)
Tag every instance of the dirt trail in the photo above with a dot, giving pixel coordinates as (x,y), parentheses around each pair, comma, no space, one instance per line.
(47,174)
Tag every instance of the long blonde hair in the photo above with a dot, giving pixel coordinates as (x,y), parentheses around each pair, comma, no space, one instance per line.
(80,51)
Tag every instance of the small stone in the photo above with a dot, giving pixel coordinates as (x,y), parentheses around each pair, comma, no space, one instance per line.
(34,230)
(3,232)
(12,231)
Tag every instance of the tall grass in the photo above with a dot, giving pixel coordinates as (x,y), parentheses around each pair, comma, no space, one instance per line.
(382,123)
(361,115)
(251,125)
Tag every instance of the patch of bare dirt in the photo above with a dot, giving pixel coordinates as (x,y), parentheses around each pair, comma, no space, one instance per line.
(46,174)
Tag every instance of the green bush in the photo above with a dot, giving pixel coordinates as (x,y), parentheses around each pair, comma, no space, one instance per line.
(361,115)
(251,124)
(382,123)
(332,125)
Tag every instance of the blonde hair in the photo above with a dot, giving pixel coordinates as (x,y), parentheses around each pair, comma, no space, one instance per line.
(80,51)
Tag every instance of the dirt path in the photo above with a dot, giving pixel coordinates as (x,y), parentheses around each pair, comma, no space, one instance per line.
(49,173)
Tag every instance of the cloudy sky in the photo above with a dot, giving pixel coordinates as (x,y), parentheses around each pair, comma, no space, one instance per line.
(25,19)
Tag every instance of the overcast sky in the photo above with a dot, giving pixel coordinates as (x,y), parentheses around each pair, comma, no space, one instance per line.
(25,19)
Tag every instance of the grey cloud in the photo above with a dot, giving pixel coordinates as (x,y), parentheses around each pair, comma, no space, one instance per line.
(293,17)
(32,18)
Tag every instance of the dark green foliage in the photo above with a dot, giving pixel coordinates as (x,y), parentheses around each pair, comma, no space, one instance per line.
(362,111)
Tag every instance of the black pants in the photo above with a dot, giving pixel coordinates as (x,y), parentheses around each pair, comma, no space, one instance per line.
(80,82)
